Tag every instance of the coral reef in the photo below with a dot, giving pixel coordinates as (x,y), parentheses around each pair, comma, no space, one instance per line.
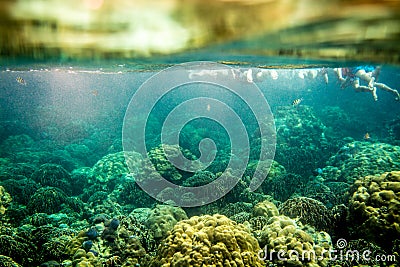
(158,157)
(283,186)
(199,178)
(112,242)
(21,190)
(110,167)
(50,200)
(129,193)
(393,128)
(163,219)
(16,143)
(265,209)
(208,241)
(329,193)
(10,170)
(358,159)
(279,184)
(79,180)
(16,248)
(308,211)
(272,167)
(360,252)
(296,245)
(82,153)
(53,175)
(301,138)
(8,262)
(374,208)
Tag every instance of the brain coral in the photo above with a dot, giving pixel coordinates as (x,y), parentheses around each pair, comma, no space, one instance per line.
(208,241)
(287,243)
(375,207)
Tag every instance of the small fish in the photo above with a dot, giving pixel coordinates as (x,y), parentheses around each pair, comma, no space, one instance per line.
(20,80)
(318,171)
(95,92)
(296,102)
(367,136)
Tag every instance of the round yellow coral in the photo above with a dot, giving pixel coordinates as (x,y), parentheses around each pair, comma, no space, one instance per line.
(5,198)
(208,241)
(375,207)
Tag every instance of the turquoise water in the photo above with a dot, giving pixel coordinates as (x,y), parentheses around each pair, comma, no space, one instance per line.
(72,179)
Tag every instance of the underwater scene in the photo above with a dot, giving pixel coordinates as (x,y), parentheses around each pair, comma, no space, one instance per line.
(200,164)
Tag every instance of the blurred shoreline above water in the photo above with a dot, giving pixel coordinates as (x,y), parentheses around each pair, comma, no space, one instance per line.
(354,30)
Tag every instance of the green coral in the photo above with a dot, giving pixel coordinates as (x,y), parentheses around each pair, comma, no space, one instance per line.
(272,168)
(358,159)
(17,248)
(48,200)
(208,241)
(21,190)
(117,165)
(10,170)
(158,157)
(16,143)
(8,262)
(199,178)
(303,145)
(283,186)
(53,175)
(110,167)
(129,193)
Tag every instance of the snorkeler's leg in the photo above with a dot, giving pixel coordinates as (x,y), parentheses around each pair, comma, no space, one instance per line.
(363,88)
(388,89)
(339,74)
(344,82)
(324,73)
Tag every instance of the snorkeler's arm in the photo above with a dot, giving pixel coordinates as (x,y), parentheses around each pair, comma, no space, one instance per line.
(376,72)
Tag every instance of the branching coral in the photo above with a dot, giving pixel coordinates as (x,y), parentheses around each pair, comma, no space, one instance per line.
(308,211)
